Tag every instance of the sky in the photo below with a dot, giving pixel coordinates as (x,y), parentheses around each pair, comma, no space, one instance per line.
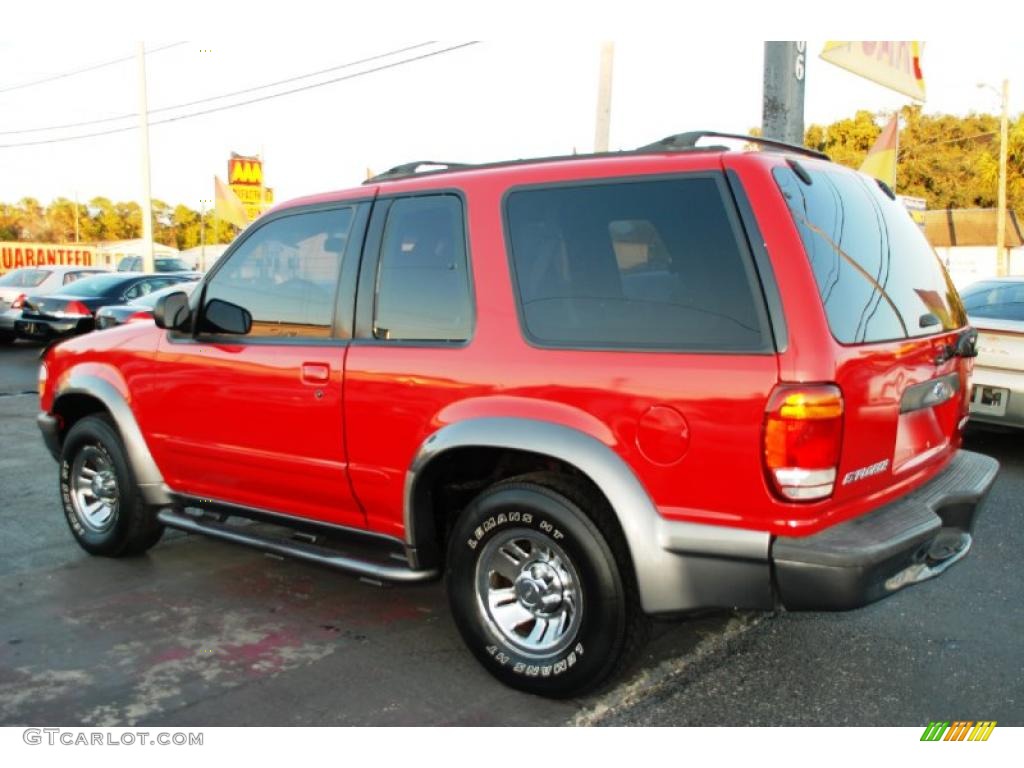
(493,100)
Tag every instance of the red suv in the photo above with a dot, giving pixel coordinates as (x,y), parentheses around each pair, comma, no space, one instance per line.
(586,390)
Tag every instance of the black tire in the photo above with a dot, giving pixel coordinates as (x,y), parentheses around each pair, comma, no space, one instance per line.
(6,339)
(131,526)
(545,514)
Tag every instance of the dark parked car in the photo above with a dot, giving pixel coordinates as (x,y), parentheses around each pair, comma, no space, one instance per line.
(137,309)
(72,311)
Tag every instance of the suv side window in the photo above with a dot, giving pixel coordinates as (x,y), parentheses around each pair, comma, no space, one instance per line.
(286,274)
(423,290)
(634,265)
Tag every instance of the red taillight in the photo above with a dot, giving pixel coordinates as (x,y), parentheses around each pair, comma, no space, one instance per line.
(803,433)
(77,308)
(142,315)
(19,302)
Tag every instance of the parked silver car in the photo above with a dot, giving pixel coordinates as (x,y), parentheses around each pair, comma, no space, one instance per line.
(996,308)
(38,281)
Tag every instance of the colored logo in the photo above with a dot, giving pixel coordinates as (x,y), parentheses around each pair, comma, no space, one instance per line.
(959,730)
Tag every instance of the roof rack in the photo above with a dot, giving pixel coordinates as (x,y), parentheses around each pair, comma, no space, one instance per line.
(411,169)
(689,140)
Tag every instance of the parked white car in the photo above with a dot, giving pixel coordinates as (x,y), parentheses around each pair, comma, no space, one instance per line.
(38,281)
(996,308)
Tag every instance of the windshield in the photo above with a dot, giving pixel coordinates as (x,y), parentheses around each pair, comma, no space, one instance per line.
(94,286)
(877,276)
(24,278)
(999,301)
(170,265)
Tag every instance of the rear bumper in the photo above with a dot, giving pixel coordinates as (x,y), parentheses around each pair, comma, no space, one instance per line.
(44,330)
(7,320)
(907,541)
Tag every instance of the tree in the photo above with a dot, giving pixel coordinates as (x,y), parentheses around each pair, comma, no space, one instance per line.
(950,161)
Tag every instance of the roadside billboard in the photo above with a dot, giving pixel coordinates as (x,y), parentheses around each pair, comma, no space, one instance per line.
(14,255)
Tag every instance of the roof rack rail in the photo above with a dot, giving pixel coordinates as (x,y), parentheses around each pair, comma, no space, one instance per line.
(689,140)
(411,169)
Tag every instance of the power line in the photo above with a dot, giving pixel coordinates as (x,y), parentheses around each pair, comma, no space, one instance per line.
(75,72)
(223,107)
(223,95)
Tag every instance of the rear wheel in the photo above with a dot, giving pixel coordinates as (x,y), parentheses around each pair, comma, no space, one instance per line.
(102,502)
(6,338)
(537,591)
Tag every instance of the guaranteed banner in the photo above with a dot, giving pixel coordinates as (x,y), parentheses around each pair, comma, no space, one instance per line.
(17,255)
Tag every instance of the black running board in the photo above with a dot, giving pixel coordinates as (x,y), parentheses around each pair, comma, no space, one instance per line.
(299,550)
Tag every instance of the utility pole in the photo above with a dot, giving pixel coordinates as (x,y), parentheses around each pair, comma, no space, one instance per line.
(604,98)
(782,116)
(1002,257)
(202,235)
(147,204)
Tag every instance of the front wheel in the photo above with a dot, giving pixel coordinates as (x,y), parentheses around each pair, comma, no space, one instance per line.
(102,502)
(536,590)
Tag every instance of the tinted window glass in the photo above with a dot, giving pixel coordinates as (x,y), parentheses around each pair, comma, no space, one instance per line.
(146,287)
(101,285)
(286,273)
(71,277)
(633,265)
(422,281)
(24,278)
(169,265)
(877,276)
(151,299)
(1001,301)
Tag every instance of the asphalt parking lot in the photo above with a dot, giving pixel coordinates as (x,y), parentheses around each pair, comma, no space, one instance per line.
(200,632)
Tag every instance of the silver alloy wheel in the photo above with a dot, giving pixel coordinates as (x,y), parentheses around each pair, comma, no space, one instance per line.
(529,592)
(94,492)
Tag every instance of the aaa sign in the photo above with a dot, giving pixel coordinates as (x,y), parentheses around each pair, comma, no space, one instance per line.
(245,170)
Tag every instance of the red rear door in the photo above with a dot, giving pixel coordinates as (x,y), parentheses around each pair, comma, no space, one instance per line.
(894,318)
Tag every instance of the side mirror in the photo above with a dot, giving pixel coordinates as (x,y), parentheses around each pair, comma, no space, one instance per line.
(224,317)
(171,311)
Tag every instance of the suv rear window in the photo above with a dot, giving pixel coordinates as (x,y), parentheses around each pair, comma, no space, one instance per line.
(877,276)
(634,265)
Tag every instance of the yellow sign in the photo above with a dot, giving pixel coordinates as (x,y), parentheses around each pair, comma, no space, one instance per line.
(896,64)
(245,178)
(17,255)
(245,170)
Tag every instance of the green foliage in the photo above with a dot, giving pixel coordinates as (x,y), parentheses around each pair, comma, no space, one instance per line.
(950,161)
(102,220)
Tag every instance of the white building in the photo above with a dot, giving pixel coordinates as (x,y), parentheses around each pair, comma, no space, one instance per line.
(965,240)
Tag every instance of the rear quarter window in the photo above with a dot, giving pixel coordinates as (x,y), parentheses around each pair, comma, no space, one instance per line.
(877,276)
(656,264)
